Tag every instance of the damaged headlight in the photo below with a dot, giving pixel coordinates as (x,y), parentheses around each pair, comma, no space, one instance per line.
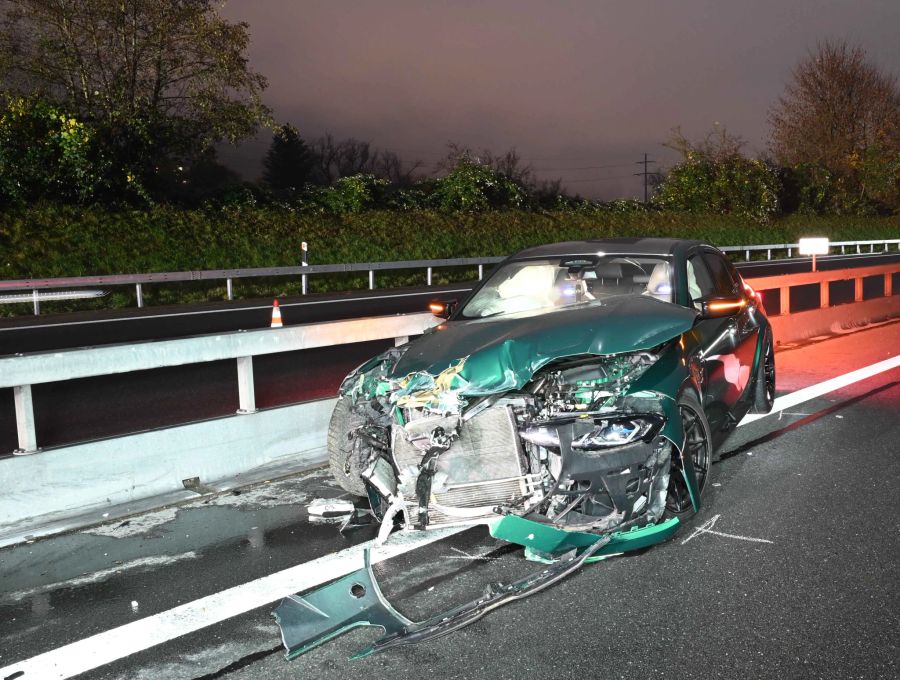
(616,433)
(369,378)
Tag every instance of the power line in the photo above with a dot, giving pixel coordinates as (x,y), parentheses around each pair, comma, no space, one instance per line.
(595,179)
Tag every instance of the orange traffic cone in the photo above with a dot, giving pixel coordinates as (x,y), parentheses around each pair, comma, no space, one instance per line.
(276,315)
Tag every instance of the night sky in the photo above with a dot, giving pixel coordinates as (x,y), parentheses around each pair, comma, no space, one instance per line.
(572,85)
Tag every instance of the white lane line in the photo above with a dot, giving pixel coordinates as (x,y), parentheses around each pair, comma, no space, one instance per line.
(150,317)
(112,645)
(815,391)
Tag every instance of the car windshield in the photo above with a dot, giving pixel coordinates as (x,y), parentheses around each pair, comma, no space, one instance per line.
(531,285)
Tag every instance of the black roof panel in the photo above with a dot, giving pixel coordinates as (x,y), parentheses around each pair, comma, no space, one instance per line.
(612,246)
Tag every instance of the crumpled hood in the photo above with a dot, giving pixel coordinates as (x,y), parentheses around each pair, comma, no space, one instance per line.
(503,353)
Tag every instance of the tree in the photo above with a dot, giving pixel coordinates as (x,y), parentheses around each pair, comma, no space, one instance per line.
(160,80)
(352,157)
(837,126)
(289,164)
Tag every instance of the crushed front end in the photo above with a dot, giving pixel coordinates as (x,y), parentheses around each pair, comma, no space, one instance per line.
(573,463)
(580,445)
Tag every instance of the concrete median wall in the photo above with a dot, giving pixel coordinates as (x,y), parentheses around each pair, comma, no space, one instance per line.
(88,479)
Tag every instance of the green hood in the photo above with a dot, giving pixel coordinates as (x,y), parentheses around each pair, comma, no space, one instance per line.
(503,353)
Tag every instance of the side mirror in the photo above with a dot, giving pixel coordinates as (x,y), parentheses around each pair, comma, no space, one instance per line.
(715,307)
(442,309)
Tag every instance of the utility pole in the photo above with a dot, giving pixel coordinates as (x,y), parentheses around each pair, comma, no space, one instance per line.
(645,175)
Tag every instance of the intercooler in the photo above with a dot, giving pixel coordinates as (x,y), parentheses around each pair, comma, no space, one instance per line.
(481,470)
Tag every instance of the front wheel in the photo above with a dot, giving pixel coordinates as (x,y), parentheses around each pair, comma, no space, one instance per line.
(344,457)
(698,446)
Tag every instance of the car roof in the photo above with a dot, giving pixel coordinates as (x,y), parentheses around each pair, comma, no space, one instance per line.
(610,246)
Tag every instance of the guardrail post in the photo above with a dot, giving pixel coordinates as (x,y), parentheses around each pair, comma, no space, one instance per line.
(789,252)
(229,289)
(303,284)
(428,276)
(25,420)
(37,302)
(888,284)
(371,279)
(858,289)
(140,294)
(784,294)
(768,253)
(747,255)
(246,388)
(824,291)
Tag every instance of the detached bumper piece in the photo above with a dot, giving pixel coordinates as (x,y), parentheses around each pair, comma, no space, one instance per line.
(355,600)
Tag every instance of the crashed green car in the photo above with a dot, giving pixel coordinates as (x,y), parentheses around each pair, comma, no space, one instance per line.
(573,402)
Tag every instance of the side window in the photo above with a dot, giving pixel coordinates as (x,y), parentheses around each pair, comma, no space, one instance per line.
(723,279)
(700,283)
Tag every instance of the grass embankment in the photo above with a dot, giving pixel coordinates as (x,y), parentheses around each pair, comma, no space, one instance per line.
(52,241)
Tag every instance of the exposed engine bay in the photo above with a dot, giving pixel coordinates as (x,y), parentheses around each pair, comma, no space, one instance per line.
(574,447)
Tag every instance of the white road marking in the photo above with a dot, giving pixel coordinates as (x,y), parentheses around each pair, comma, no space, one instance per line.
(118,643)
(707,528)
(198,312)
(112,645)
(815,391)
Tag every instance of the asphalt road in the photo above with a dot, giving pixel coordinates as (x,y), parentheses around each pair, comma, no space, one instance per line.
(92,408)
(790,570)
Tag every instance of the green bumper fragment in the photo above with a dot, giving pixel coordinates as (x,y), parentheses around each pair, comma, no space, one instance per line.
(545,543)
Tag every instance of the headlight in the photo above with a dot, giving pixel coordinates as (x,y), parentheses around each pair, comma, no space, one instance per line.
(608,433)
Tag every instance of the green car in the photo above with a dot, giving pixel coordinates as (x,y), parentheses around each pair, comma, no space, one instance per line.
(573,403)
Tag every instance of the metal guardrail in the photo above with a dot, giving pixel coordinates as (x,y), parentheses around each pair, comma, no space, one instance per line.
(22,371)
(305,271)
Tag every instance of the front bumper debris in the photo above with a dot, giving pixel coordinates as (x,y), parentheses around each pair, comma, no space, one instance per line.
(356,600)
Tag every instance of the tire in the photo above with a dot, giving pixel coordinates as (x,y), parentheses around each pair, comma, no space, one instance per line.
(344,457)
(698,440)
(764,387)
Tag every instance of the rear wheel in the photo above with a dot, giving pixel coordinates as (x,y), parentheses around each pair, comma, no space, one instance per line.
(764,392)
(344,457)
(698,446)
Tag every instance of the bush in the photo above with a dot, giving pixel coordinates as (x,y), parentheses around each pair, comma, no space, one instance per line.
(728,186)
(45,151)
(473,187)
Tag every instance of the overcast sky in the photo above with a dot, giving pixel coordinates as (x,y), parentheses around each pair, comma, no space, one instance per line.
(571,84)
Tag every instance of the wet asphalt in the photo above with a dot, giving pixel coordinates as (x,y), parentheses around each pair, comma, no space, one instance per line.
(790,570)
